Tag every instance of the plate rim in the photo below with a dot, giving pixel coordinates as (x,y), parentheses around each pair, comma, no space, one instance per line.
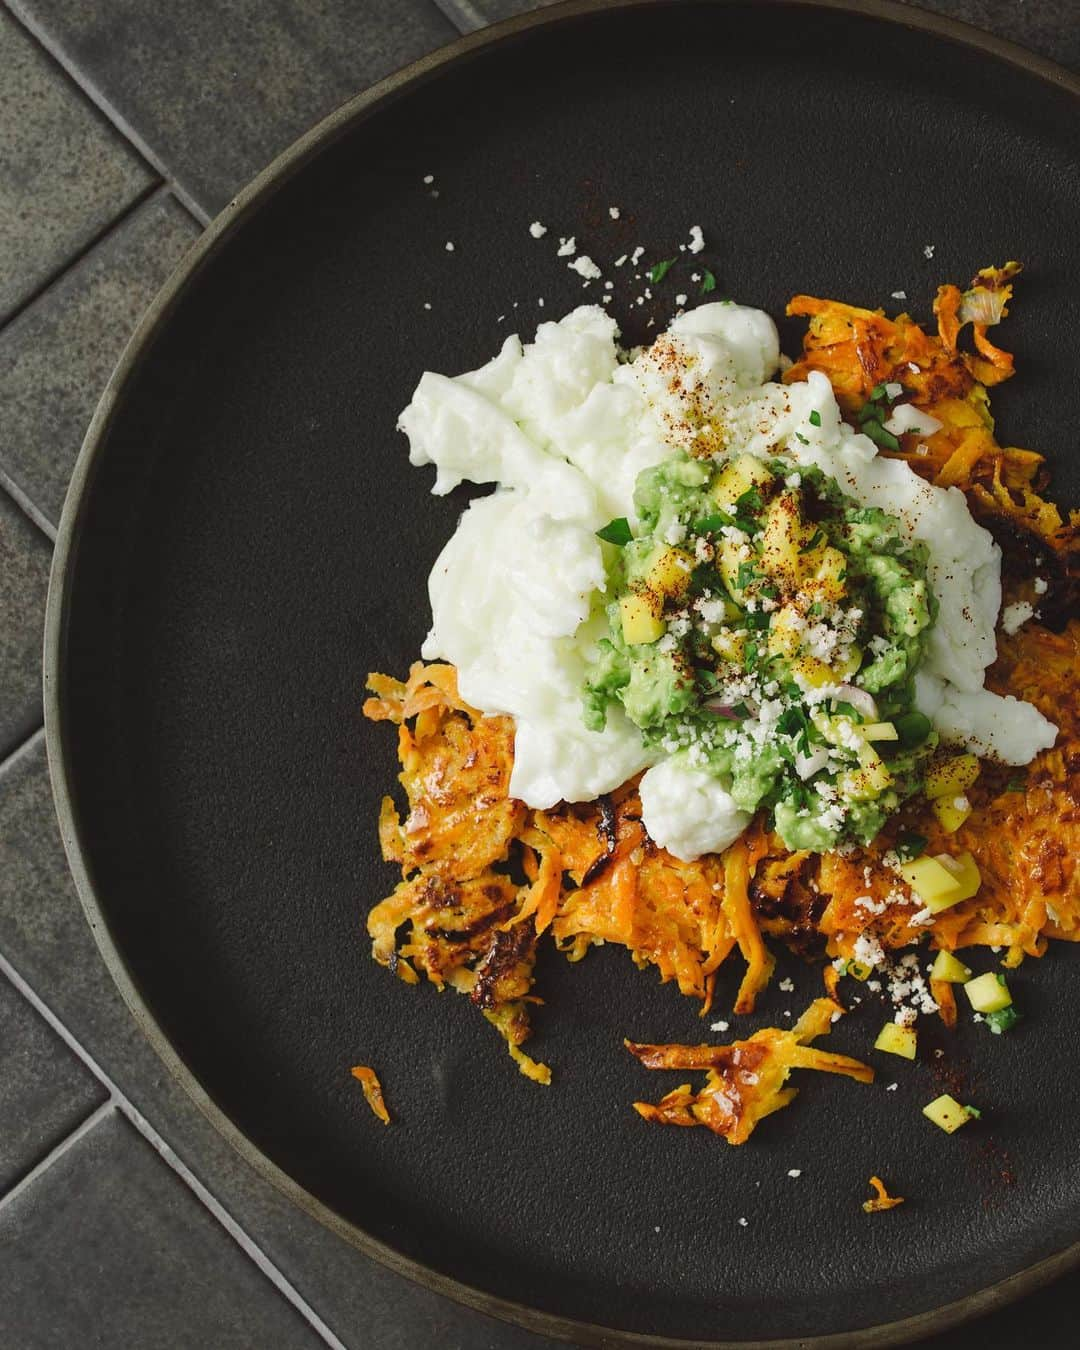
(244,206)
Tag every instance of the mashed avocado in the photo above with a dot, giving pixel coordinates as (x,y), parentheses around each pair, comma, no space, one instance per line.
(769,628)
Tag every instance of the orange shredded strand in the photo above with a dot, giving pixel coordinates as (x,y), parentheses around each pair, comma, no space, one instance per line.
(373,1092)
(881,1199)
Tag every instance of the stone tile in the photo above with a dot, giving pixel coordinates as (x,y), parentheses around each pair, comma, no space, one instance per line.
(45,1091)
(45,936)
(215,91)
(56,356)
(107,1247)
(25,555)
(64,172)
(1050,27)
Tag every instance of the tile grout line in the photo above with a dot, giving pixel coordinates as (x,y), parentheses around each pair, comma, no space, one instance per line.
(29,509)
(57,1151)
(463,14)
(111,114)
(157,188)
(119,1100)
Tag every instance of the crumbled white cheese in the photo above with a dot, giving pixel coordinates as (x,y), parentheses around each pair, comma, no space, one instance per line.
(794,1171)
(786,986)
(613,212)
(585,267)
(1041,585)
(1013,617)
(680,299)
(899,295)
(566,247)
(429,178)
(537,230)
(718,1026)
(449,246)
(697,239)
(928,250)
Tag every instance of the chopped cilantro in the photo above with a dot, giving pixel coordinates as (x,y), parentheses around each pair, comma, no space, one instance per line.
(616,531)
(658,271)
(750,656)
(708,282)
(711,524)
(973,1111)
(745,575)
(879,435)
(800,437)
(750,500)
(817,608)
(1002,1020)
(815,418)
(818,537)
(757,620)
(910,846)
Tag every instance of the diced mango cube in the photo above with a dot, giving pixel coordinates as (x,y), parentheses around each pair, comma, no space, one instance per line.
(988,993)
(829,575)
(640,621)
(942,882)
(951,777)
(844,666)
(951,812)
(784,536)
(739,475)
(728,563)
(813,672)
(669,572)
(947,1113)
(897,1040)
(785,632)
(731,646)
(949,970)
(879,731)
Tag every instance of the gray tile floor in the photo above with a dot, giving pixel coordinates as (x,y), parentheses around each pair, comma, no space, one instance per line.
(125,1221)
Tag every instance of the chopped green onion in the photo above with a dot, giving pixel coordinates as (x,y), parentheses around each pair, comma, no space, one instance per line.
(659,270)
(801,438)
(815,418)
(708,283)
(616,531)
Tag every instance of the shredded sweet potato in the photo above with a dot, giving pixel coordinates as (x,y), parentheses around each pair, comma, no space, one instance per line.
(881,1199)
(484,877)
(373,1094)
(744,1080)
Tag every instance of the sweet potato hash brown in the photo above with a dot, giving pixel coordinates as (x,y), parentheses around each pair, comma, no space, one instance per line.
(484,878)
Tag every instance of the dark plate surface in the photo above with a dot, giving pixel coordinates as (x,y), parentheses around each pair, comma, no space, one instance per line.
(246,540)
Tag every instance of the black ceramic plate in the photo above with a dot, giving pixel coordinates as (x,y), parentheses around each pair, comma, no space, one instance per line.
(245,540)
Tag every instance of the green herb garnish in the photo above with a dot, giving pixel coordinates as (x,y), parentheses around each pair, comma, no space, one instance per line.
(1016,784)
(711,524)
(801,438)
(658,271)
(1002,1020)
(818,537)
(616,531)
(708,282)
(910,846)
(815,418)
(879,435)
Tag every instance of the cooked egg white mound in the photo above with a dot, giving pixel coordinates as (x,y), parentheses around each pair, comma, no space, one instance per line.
(562,426)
